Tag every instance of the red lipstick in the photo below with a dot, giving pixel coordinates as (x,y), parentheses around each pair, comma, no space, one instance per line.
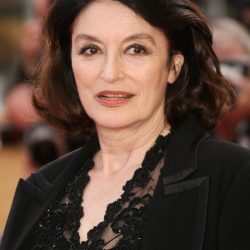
(109,98)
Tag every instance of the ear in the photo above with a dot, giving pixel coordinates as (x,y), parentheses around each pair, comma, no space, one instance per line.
(175,67)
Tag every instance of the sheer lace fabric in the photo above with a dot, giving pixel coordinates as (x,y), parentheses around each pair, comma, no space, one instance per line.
(124,220)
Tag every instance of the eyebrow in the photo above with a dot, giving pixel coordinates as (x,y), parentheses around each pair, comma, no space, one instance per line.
(140,36)
(87,38)
(127,39)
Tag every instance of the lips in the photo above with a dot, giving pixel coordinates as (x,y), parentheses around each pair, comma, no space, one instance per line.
(113,98)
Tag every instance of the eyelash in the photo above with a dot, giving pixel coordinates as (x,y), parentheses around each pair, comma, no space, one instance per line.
(83,51)
(142,50)
(140,47)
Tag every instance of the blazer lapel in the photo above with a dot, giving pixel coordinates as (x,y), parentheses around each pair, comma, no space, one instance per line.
(178,208)
(34,196)
(181,156)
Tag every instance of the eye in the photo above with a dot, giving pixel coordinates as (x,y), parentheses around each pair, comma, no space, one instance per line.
(90,50)
(137,49)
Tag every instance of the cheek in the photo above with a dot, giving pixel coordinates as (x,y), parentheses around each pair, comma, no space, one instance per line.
(151,89)
(153,79)
(79,70)
(83,83)
(85,74)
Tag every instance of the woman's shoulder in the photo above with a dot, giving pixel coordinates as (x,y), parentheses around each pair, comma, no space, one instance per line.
(222,156)
(222,149)
(68,162)
(61,161)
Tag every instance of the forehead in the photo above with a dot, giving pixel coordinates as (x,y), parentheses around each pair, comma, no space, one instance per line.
(111,18)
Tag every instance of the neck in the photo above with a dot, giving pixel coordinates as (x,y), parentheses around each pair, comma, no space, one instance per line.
(126,147)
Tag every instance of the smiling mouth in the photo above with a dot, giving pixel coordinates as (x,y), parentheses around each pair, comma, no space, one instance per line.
(114,98)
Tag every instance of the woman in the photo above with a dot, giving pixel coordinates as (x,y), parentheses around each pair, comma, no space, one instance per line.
(143,77)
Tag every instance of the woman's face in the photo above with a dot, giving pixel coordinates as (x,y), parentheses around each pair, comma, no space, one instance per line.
(120,64)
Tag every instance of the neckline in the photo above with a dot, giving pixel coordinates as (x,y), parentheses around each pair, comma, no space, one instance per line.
(139,179)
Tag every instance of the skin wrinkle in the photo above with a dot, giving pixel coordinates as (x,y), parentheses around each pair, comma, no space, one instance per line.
(139,36)
(131,57)
(159,47)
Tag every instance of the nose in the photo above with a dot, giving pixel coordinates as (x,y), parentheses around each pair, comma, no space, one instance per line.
(112,69)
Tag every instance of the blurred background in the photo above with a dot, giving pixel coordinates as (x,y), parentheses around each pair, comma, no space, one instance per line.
(27,142)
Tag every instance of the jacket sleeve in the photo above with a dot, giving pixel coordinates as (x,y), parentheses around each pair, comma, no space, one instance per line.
(234,226)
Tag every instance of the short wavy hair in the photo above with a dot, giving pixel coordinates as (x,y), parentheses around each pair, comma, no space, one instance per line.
(200,88)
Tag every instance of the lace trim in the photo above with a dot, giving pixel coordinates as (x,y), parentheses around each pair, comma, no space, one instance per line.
(124,219)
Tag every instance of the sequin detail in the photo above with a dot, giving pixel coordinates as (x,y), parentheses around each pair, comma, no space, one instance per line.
(124,220)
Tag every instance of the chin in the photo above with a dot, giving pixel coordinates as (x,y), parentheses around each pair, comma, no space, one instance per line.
(107,124)
(113,122)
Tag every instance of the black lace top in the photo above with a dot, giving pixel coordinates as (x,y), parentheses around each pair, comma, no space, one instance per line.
(124,221)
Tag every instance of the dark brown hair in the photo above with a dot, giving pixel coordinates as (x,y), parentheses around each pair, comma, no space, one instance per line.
(199,89)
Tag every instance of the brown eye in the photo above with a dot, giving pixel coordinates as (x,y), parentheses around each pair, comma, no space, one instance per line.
(90,50)
(137,49)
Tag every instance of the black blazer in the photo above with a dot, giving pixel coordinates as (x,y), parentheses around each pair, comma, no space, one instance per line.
(201,201)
